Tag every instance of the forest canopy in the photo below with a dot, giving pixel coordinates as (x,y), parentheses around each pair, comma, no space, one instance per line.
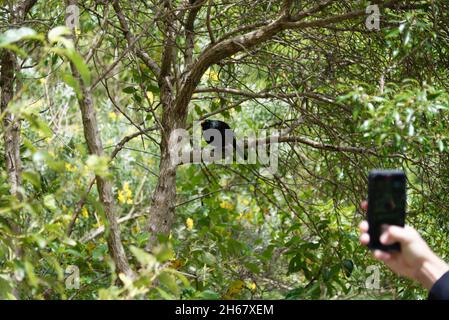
(93,207)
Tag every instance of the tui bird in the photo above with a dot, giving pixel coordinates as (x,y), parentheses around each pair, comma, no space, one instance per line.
(227,135)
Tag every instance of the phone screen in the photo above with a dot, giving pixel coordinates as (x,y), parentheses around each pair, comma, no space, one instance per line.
(386,204)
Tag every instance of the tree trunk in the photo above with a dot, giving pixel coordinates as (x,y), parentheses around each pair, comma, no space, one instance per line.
(11,125)
(161,215)
(104,186)
(162,210)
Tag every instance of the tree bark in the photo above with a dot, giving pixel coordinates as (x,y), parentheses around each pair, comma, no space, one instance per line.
(11,125)
(162,210)
(104,186)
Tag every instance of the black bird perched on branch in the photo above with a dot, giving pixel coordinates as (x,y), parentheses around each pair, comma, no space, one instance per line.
(226,133)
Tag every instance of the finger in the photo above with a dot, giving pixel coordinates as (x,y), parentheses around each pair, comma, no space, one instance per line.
(363,226)
(364,205)
(364,239)
(394,234)
(382,255)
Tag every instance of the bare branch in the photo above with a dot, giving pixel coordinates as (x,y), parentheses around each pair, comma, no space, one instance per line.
(226,48)
(209,28)
(269,95)
(294,139)
(190,34)
(98,231)
(149,62)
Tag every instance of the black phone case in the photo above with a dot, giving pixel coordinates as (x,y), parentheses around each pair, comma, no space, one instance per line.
(374,226)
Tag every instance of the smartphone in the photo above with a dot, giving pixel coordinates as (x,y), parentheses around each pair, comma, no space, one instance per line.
(386,205)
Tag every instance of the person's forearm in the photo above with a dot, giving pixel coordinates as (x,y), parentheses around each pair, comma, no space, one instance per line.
(431,270)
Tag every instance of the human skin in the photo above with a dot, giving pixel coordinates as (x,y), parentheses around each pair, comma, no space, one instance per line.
(415,260)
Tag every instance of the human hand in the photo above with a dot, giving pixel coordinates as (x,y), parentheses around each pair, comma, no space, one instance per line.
(415,260)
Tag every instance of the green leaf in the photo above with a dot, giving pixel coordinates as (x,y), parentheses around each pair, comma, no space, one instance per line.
(14,35)
(198,110)
(50,202)
(252,267)
(77,61)
(163,252)
(348,266)
(74,253)
(294,294)
(129,90)
(440,145)
(99,252)
(144,258)
(37,123)
(153,88)
(165,295)
(32,177)
(169,281)
(295,264)
(209,259)
(73,83)
(99,165)
(55,34)
(32,278)
(209,295)
(82,67)
(6,286)
(16,49)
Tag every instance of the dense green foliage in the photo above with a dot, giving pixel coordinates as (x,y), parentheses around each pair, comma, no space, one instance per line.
(237,233)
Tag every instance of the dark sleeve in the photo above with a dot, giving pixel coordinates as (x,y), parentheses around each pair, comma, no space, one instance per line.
(440,289)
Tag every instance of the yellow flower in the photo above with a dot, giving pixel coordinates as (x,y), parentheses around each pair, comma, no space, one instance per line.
(212,75)
(84,212)
(90,246)
(120,197)
(125,195)
(150,97)
(226,205)
(135,229)
(98,224)
(127,190)
(252,286)
(69,167)
(189,223)
(235,288)
(113,116)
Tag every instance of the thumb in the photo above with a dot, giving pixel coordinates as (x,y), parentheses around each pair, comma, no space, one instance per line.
(394,234)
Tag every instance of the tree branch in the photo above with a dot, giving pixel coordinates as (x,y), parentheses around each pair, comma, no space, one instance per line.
(291,139)
(224,49)
(268,95)
(149,62)
(190,34)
